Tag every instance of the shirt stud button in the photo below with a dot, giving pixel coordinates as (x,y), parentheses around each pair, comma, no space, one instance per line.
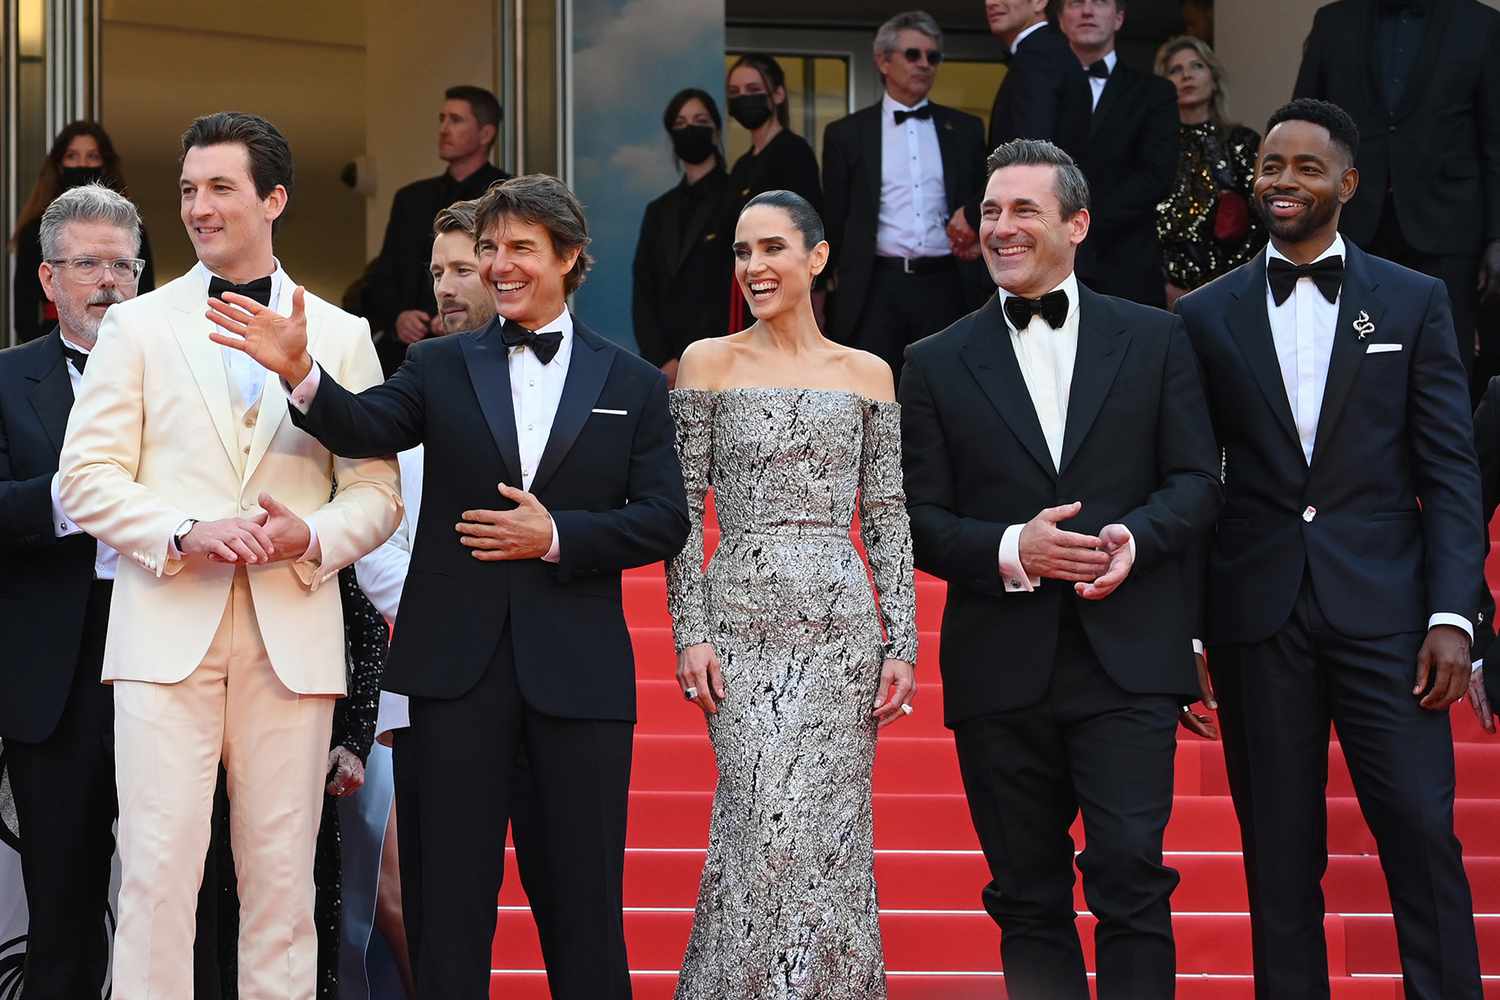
(1310,513)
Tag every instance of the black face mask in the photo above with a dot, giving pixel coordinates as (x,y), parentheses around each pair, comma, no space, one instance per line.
(693,143)
(73,177)
(750,110)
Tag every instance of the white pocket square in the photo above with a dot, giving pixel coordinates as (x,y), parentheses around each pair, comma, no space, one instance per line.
(613,413)
(1382,348)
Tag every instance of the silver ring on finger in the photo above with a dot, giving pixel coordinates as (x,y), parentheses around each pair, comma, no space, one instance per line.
(691,694)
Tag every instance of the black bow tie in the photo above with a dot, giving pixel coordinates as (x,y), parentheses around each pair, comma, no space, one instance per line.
(1052,307)
(76,356)
(924,113)
(1327,274)
(543,345)
(1098,68)
(259,289)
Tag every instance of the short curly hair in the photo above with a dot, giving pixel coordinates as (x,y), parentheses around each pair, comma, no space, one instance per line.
(1341,127)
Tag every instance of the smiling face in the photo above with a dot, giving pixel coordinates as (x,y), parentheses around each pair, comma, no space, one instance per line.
(772,264)
(1192,77)
(228,223)
(1026,243)
(526,275)
(1302,178)
(458,283)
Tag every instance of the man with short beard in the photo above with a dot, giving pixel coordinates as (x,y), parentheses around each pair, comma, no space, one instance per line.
(1342,580)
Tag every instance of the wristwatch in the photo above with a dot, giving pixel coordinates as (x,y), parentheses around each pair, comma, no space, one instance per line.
(181,533)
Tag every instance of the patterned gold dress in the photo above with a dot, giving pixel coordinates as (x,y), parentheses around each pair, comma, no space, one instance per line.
(787,906)
(1208,162)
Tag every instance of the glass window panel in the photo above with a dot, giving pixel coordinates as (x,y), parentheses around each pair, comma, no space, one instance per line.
(969,86)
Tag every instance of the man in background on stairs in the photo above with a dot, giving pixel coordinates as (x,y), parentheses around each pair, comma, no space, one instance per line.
(1342,579)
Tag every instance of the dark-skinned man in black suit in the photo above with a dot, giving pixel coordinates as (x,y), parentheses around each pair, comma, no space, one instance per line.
(511,631)
(1059,464)
(1341,579)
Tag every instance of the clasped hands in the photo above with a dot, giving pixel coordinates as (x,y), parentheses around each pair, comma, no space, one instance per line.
(1094,564)
(276,534)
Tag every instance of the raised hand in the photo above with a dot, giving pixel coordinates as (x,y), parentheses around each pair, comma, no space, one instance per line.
(1047,550)
(277,342)
(1116,539)
(289,533)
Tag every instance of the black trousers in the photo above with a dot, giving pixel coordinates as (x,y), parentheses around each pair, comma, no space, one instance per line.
(64,791)
(901,309)
(1276,701)
(455,771)
(1092,747)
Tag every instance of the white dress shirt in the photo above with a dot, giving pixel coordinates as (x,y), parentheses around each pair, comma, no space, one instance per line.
(1303,328)
(1025,34)
(1096,84)
(106,559)
(247,379)
(913,201)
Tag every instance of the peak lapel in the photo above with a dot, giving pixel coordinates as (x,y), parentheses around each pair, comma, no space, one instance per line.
(1355,297)
(1251,326)
(191,328)
(587,370)
(992,361)
(489,371)
(1102,341)
(52,396)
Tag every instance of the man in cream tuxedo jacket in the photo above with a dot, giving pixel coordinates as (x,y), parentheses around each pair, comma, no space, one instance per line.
(224,641)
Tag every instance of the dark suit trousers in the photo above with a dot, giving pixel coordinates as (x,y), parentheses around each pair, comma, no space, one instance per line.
(1459,272)
(1092,747)
(1276,700)
(65,799)
(455,768)
(901,309)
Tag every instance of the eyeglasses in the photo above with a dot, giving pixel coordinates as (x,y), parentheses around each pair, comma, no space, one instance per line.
(915,56)
(89,270)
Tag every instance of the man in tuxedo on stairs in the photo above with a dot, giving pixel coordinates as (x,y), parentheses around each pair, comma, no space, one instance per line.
(1059,463)
(550,468)
(1342,579)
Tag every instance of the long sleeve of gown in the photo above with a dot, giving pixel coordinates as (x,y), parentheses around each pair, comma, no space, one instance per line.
(365,647)
(693,414)
(886,530)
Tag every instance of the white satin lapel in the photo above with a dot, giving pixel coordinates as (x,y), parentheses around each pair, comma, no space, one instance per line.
(191,327)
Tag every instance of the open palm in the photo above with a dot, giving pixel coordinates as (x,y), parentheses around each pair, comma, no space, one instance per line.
(277,342)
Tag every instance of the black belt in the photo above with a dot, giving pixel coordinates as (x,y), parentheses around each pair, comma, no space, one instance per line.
(915,265)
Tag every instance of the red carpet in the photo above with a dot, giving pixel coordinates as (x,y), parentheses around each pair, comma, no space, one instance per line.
(940,945)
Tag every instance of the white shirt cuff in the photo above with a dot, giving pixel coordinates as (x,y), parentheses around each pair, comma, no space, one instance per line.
(1011,572)
(554,554)
(1478,666)
(1448,618)
(1197,647)
(302,396)
(62,524)
(314,551)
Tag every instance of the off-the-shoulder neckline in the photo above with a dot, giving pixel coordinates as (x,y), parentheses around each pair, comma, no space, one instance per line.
(790,388)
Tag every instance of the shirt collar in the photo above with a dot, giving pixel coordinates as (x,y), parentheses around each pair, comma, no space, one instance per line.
(1335,249)
(1068,285)
(890,105)
(277,277)
(1025,34)
(72,346)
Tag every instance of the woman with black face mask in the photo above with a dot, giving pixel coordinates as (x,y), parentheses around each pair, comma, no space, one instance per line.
(682,263)
(778,158)
(81,154)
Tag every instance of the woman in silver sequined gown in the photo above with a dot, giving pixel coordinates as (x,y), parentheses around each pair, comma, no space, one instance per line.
(787,905)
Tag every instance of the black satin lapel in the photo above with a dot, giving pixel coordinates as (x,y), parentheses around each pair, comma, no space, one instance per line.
(1107,100)
(52,398)
(1359,310)
(1251,326)
(1436,27)
(587,371)
(945,136)
(992,361)
(489,371)
(869,139)
(1101,348)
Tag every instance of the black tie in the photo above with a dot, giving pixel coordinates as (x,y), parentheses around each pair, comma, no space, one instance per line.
(1052,307)
(924,113)
(1098,68)
(76,356)
(259,290)
(543,345)
(1327,274)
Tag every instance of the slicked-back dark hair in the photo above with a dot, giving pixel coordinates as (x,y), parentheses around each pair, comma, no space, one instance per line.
(270,155)
(545,201)
(1341,127)
(1068,182)
(485,105)
(806,218)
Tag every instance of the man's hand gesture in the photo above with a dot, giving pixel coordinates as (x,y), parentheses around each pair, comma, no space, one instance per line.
(277,342)
(1116,539)
(523,533)
(1047,550)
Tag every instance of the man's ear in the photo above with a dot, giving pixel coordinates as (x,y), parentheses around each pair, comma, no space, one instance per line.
(44,274)
(1348,184)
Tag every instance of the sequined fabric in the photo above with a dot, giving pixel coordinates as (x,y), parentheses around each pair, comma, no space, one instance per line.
(1184,221)
(787,905)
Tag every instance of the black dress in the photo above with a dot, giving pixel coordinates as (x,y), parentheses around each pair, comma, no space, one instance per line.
(681,263)
(34,315)
(1210,160)
(787,163)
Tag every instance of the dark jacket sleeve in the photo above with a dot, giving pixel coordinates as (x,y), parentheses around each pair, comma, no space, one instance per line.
(645,312)
(1487,445)
(383,420)
(837,183)
(1150,178)
(25,505)
(653,523)
(382,290)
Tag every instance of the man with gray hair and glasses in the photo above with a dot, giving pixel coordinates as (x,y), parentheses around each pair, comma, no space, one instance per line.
(56,718)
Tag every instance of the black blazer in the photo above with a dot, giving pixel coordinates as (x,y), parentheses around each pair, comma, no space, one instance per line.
(44,580)
(1137,449)
(851,188)
(1044,95)
(682,269)
(1395,533)
(1130,160)
(1447,203)
(611,482)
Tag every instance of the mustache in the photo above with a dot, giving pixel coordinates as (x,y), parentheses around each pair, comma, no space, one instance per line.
(105,297)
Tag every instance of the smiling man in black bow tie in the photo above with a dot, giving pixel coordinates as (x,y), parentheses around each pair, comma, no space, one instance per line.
(1059,464)
(511,631)
(1343,576)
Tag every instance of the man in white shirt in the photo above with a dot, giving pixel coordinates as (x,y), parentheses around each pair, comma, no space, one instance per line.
(1059,466)
(894,174)
(1342,580)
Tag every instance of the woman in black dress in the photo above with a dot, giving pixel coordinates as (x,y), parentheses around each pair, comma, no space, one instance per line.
(681,262)
(778,158)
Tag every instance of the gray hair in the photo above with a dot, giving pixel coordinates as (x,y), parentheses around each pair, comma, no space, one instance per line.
(1068,182)
(914,20)
(88,203)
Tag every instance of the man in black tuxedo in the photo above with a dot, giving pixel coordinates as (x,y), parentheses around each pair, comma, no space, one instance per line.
(1419,78)
(1342,577)
(1059,462)
(1129,156)
(894,173)
(511,632)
